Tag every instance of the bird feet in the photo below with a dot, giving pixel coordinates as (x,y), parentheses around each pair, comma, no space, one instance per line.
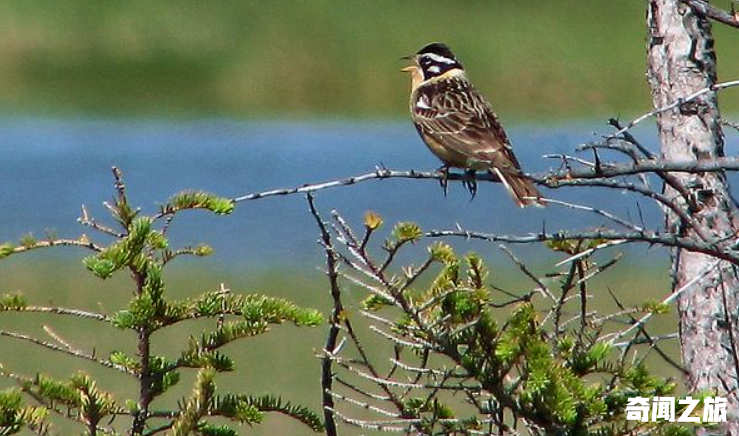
(444,180)
(470,182)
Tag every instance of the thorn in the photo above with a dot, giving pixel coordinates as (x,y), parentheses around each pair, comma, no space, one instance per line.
(596,160)
(641,215)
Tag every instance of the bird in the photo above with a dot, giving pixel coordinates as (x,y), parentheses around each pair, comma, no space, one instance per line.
(459,126)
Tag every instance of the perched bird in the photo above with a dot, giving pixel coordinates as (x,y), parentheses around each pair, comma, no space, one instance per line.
(458,124)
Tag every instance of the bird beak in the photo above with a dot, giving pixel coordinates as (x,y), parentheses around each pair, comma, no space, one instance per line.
(409,68)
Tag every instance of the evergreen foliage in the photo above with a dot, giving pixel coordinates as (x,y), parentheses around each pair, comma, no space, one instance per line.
(470,358)
(140,247)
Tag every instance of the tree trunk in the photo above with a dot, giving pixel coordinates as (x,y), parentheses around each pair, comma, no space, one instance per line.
(681,61)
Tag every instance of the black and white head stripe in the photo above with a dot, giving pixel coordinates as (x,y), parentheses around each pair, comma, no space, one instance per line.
(435,59)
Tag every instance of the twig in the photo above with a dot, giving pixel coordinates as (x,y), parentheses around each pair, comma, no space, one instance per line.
(68,351)
(54,335)
(705,9)
(727,123)
(545,179)
(62,311)
(590,251)
(82,242)
(649,237)
(364,405)
(680,101)
(596,211)
(671,298)
(85,220)
(662,200)
(524,269)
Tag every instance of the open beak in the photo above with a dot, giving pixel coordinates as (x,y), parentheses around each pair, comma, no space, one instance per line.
(409,68)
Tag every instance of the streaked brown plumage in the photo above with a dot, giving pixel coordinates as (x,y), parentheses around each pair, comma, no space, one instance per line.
(458,124)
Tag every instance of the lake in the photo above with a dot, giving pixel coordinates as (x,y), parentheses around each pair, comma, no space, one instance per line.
(50,167)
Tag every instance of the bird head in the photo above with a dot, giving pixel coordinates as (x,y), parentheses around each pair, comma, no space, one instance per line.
(431,61)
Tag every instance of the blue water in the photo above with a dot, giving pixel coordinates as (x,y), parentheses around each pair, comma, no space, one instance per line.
(48,168)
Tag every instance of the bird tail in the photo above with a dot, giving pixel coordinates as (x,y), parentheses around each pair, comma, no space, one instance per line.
(521,188)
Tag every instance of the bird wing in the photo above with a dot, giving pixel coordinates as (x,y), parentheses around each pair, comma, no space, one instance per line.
(456,115)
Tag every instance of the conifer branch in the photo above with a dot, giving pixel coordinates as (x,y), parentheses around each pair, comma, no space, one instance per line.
(78,313)
(76,353)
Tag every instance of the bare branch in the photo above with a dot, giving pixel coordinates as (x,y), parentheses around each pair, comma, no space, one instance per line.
(62,311)
(86,220)
(707,10)
(649,237)
(551,180)
(331,340)
(670,299)
(68,351)
(680,101)
(732,124)
(596,211)
(524,269)
(81,242)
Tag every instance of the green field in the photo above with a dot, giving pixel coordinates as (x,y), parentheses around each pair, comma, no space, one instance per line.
(557,59)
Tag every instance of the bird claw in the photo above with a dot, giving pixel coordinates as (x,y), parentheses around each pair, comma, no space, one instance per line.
(470,182)
(444,180)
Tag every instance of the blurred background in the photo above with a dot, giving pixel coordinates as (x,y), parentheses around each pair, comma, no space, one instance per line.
(241,96)
(559,59)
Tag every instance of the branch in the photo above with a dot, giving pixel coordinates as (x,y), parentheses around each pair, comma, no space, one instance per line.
(670,299)
(551,180)
(653,166)
(649,237)
(378,174)
(727,123)
(68,351)
(707,10)
(680,101)
(331,341)
(61,311)
(82,242)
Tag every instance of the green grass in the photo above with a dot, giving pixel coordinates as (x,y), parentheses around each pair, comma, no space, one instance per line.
(553,59)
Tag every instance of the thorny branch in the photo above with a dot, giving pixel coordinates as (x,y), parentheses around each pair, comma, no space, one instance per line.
(331,347)
(550,180)
(705,9)
(417,385)
(424,334)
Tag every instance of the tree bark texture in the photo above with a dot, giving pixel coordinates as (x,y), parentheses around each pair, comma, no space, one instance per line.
(681,60)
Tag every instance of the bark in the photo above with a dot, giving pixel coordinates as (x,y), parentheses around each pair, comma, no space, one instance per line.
(681,60)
